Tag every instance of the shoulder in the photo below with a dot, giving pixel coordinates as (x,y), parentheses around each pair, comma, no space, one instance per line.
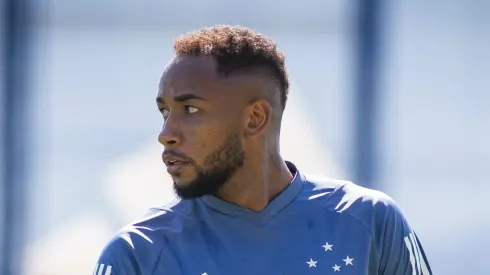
(140,243)
(372,208)
(397,247)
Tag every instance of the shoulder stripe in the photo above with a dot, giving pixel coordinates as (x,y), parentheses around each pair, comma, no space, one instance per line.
(417,260)
(99,269)
(108,270)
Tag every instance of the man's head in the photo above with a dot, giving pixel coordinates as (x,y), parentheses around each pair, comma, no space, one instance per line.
(222,99)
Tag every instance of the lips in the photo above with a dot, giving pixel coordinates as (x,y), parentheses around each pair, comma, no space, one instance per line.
(175,168)
(174,164)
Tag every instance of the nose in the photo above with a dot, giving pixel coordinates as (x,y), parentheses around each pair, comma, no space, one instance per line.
(169,136)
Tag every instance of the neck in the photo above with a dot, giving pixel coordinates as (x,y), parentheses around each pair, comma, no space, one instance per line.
(257,183)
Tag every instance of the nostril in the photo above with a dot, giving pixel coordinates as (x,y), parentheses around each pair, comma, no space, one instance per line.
(168,140)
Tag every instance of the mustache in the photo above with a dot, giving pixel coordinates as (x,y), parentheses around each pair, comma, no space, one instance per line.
(169,152)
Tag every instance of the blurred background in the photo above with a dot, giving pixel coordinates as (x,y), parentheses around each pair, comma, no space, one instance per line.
(394,95)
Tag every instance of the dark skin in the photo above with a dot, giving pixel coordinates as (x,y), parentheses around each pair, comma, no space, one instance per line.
(204,112)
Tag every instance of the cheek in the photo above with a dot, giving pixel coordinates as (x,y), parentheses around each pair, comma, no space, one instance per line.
(201,142)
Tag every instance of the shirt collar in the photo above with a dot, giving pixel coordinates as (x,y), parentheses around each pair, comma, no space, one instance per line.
(274,207)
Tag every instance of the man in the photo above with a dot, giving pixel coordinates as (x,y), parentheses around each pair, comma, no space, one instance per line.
(243,209)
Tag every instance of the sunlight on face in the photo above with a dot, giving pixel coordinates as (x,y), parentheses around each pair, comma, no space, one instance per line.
(138,181)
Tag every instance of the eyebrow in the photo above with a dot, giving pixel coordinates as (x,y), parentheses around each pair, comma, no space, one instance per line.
(182,98)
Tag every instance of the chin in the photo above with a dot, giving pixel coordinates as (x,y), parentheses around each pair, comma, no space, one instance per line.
(181,183)
(191,189)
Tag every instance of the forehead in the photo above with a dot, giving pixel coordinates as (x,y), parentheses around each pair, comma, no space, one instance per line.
(197,75)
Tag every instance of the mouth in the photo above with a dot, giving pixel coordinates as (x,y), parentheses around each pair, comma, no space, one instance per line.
(174,167)
(174,164)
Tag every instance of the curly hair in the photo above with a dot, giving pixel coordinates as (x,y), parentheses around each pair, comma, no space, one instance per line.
(237,49)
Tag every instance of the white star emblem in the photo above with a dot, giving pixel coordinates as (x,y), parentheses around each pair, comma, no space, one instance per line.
(348,261)
(327,246)
(336,268)
(204,273)
(312,263)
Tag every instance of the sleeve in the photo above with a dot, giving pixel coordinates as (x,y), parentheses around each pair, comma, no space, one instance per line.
(117,258)
(401,252)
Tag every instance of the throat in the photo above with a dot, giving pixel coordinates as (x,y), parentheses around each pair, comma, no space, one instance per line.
(255,193)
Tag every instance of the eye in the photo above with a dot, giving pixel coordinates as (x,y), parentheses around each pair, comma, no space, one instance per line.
(165,113)
(191,109)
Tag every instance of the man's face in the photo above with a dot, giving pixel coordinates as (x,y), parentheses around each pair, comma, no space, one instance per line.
(202,127)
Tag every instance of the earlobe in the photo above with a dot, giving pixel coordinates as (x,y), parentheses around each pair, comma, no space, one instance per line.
(259,117)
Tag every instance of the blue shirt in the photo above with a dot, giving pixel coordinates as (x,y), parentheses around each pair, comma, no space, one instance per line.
(315,226)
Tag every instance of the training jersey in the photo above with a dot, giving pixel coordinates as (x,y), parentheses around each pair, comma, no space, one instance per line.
(315,226)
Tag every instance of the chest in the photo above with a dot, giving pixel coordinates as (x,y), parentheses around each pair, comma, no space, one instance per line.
(300,245)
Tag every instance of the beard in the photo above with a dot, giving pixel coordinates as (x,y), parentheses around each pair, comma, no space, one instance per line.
(216,171)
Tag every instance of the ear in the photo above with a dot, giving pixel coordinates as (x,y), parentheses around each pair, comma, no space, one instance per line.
(259,113)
